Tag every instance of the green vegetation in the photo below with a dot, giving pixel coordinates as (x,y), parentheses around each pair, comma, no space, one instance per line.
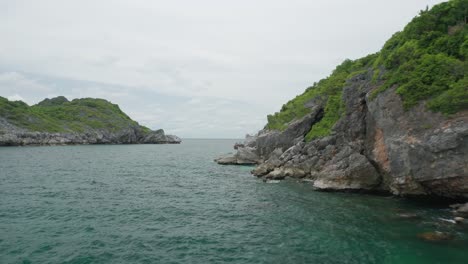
(328,90)
(426,62)
(452,100)
(333,111)
(60,115)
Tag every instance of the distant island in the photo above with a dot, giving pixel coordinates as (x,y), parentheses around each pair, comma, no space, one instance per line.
(58,121)
(395,121)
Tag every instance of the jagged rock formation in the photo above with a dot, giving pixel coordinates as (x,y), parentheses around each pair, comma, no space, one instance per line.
(376,145)
(394,121)
(57,121)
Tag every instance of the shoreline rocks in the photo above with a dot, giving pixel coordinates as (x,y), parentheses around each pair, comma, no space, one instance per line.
(376,145)
(243,156)
(13,136)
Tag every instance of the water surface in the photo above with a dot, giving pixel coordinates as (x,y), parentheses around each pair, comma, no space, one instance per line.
(173,204)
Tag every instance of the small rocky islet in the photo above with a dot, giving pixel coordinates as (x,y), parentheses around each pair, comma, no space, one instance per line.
(58,121)
(392,122)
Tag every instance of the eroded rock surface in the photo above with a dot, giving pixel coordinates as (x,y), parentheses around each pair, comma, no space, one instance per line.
(243,156)
(375,146)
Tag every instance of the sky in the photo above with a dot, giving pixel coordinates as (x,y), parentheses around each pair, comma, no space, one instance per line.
(197,69)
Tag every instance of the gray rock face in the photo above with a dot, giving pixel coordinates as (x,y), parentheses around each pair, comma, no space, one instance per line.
(267,141)
(243,156)
(11,135)
(376,145)
(258,148)
(422,152)
(351,172)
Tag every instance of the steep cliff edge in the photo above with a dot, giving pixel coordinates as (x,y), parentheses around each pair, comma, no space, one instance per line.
(394,121)
(58,121)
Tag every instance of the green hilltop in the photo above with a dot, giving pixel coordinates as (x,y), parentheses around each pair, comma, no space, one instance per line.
(426,62)
(60,115)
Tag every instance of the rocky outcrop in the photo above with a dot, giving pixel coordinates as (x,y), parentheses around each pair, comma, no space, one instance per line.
(375,146)
(11,135)
(256,148)
(243,156)
(267,141)
(158,137)
(387,133)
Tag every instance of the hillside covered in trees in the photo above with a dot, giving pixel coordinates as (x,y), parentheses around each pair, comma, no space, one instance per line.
(426,61)
(80,121)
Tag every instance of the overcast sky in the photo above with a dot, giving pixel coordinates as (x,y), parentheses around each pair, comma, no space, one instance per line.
(204,69)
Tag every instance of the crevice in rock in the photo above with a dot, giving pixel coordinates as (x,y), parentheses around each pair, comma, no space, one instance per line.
(318,116)
(377,169)
(364,151)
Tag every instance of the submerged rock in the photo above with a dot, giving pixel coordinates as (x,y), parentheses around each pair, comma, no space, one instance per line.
(436,236)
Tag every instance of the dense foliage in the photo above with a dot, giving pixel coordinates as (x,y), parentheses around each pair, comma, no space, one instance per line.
(426,62)
(60,115)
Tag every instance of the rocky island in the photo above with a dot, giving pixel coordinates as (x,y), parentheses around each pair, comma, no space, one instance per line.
(58,121)
(395,121)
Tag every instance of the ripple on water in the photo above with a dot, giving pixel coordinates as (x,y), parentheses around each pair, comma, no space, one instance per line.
(172,204)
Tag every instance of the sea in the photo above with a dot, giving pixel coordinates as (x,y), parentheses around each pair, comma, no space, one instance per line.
(174,204)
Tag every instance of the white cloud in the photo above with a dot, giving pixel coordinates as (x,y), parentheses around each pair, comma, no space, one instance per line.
(12,84)
(15,97)
(15,80)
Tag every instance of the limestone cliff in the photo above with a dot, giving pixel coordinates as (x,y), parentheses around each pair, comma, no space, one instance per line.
(394,121)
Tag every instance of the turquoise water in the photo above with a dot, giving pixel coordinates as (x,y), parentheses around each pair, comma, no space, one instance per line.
(173,204)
